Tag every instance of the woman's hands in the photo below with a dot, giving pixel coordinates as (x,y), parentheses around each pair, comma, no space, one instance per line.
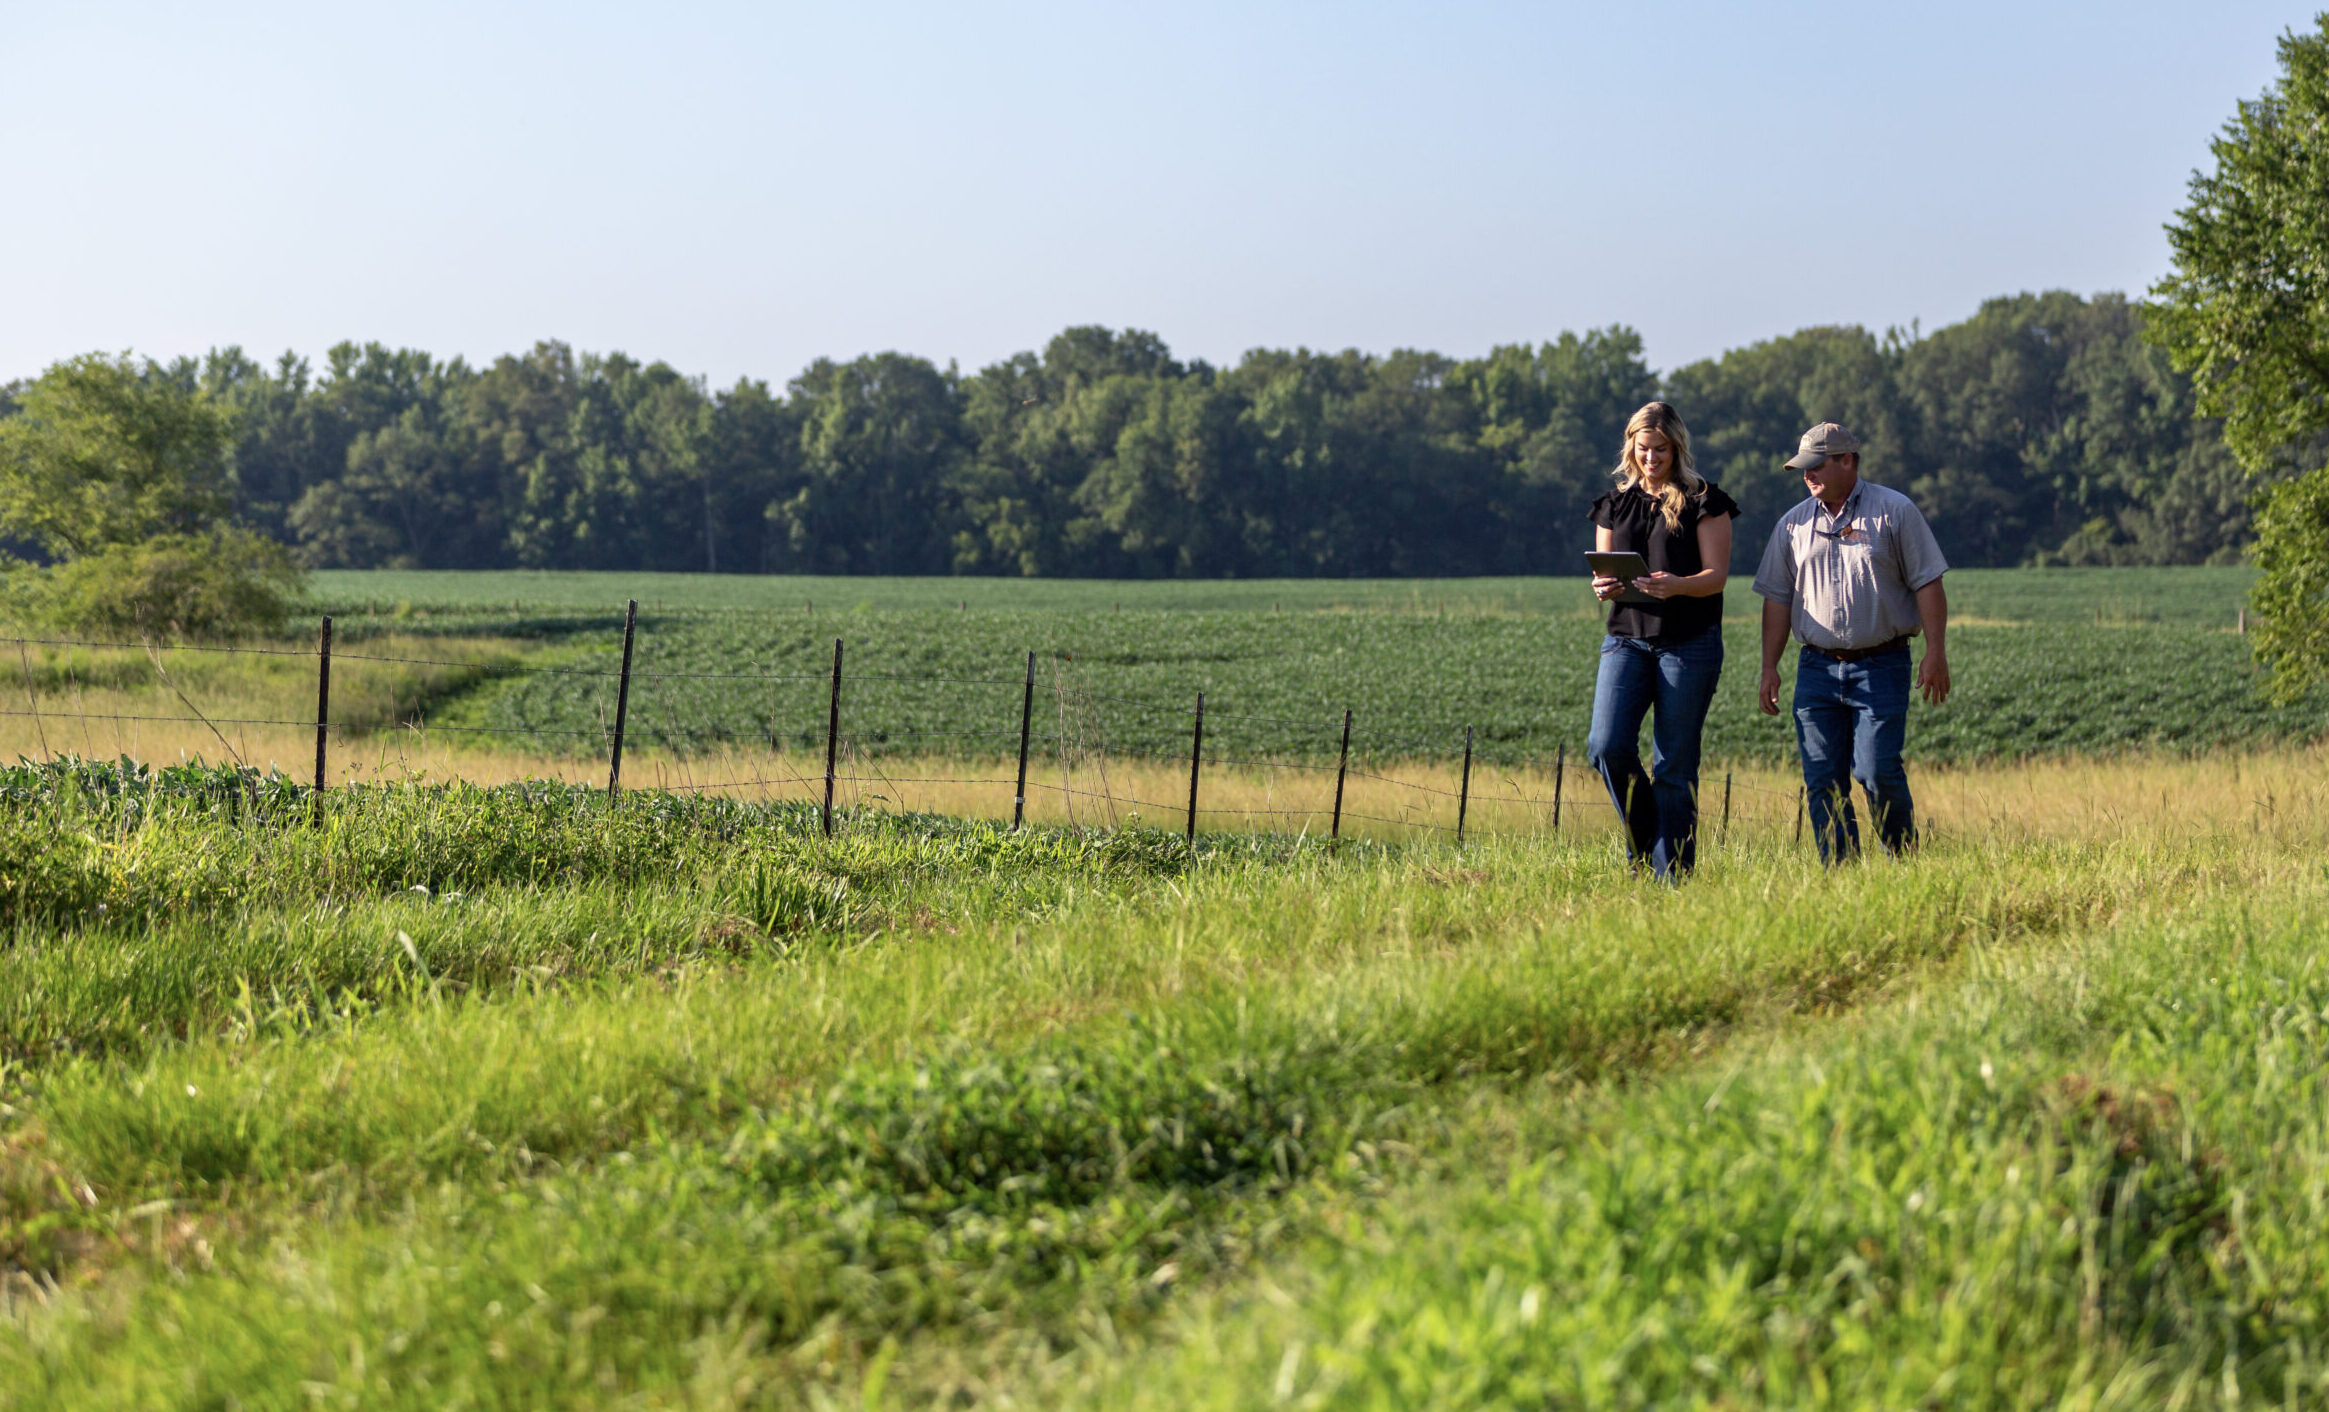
(1658,585)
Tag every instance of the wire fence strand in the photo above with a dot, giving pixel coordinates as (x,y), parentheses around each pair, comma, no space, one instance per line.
(159,647)
(1094,730)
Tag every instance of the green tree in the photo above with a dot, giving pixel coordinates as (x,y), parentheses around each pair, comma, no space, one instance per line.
(882,444)
(754,460)
(626,480)
(2049,431)
(103,453)
(1155,487)
(367,468)
(1549,423)
(2246,312)
(394,503)
(1746,409)
(2292,582)
(1350,464)
(122,473)
(1041,428)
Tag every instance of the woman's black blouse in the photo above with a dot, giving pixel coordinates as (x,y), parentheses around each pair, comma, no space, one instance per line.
(1635,520)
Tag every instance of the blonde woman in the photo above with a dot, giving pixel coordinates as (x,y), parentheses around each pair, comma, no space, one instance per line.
(1663,652)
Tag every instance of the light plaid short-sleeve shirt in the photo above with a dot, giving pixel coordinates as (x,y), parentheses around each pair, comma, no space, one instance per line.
(1850,580)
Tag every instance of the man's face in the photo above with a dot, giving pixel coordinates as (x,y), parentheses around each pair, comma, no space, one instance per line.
(1831,480)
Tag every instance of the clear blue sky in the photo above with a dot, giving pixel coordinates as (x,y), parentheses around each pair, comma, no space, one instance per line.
(737,189)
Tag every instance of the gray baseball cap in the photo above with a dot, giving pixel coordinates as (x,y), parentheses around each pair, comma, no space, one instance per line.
(1825,440)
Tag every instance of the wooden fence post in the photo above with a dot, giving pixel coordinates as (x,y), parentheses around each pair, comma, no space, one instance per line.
(1196,758)
(832,735)
(622,702)
(1341,768)
(1026,714)
(323,709)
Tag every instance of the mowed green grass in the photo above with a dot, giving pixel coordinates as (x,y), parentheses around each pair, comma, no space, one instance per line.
(512,1098)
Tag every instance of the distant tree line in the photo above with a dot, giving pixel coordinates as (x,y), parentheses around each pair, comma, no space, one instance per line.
(2044,429)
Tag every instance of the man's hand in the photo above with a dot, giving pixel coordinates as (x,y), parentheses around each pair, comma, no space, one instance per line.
(1933,675)
(1933,616)
(1775,628)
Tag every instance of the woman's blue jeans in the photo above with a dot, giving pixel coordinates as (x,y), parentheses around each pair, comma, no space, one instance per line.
(1659,807)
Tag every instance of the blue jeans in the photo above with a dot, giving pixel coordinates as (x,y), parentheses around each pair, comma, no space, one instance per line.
(1850,721)
(1660,808)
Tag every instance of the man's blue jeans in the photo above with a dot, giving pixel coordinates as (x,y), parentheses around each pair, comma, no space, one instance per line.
(1850,721)
(1660,808)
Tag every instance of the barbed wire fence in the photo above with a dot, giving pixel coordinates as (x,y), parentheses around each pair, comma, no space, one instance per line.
(1055,721)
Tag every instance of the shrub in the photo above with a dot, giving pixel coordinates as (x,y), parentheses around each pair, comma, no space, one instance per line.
(227,582)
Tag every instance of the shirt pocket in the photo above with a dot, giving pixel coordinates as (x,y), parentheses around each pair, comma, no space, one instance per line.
(1881,546)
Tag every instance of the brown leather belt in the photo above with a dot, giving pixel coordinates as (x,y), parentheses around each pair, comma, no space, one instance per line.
(1855,654)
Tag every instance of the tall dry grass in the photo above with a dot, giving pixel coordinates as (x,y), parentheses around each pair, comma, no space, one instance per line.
(248,704)
(2128,797)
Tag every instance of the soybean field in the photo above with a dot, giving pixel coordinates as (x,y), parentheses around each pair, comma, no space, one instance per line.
(2046,663)
(2198,596)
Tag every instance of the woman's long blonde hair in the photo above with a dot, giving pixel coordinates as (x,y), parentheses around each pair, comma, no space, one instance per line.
(1685,484)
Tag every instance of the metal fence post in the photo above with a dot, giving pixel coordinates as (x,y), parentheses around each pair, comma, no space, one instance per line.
(1799,816)
(1464,791)
(1026,714)
(622,702)
(1196,758)
(1341,768)
(832,735)
(1560,772)
(1724,841)
(323,709)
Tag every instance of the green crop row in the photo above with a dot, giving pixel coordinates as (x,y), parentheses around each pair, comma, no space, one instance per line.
(2192,597)
(951,682)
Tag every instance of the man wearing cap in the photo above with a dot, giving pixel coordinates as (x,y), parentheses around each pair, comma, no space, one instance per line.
(1852,573)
